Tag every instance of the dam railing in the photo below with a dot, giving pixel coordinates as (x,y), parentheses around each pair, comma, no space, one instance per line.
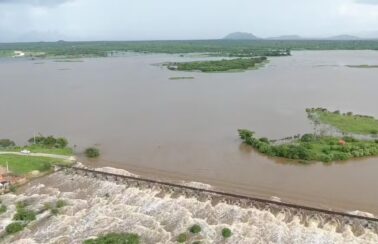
(306,213)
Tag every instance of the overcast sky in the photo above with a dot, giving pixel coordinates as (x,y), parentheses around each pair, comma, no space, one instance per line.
(51,20)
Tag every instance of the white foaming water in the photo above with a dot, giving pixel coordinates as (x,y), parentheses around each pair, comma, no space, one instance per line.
(195,184)
(116,171)
(96,207)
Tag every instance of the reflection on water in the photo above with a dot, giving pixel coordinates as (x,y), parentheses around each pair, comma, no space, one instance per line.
(96,207)
(186,129)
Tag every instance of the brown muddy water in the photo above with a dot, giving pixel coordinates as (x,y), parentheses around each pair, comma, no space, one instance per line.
(187,129)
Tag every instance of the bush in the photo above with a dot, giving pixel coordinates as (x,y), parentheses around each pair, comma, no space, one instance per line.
(115,238)
(182,238)
(92,152)
(3,208)
(307,138)
(226,233)
(60,203)
(13,188)
(195,229)
(7,143)
(54,211)
(14,228)
(24,215)
(49,141)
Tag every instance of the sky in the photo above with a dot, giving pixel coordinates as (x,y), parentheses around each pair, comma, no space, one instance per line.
(52,20)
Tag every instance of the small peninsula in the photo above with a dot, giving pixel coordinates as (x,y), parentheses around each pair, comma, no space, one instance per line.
(322,147)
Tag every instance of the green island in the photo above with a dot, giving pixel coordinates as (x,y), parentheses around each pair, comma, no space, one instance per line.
(364,66)
(182,78)
(323,148)
(239,64)
(345,122)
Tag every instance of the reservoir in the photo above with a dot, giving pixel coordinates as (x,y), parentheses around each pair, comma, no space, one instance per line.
(186,129)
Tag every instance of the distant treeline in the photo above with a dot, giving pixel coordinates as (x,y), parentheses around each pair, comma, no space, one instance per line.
(218,65)
(233,48)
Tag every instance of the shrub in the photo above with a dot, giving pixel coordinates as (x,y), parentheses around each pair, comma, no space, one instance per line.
(122,238)
(307,138)
(264,139)
(3,208)
(7,143)
(49,141)
(14,228)
(92,152)
(182,238)
(54,211)
(195,229)
(226,233)
(13,188)
(60,203)
(24,215)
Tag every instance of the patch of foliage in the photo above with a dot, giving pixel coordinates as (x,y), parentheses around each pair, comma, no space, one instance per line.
(23,214)
(14,227)
(195,229)
(49,141)
(92,152)
(226,232)
(3,208)
(313,148)
(115,238)
(6,143)
(60,203)
(218,65)
(182,238)
(347,122)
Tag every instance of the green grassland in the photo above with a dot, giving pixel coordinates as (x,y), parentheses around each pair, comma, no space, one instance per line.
(239,64)
(357,124)
(21,165)
(67,151)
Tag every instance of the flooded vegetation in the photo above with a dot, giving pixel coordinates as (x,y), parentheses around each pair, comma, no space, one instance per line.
(240,64)
(320,147)
(345,122)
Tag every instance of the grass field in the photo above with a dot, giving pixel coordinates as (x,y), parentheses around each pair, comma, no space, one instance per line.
(21,165)
(40,149)
(358,124)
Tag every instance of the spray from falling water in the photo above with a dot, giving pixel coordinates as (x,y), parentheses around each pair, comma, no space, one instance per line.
(97,207)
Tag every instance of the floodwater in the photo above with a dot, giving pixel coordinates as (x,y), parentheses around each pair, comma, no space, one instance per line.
(187,129)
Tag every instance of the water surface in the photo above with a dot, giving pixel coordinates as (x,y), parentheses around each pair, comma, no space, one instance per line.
(186,129)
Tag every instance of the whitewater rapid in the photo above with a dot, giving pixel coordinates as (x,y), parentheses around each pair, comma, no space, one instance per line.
(97,207)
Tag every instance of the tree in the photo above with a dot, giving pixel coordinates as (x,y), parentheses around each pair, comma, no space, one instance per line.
(61,142)
(7,143)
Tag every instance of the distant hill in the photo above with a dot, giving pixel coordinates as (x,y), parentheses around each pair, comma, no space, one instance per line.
(240,36)
(343,37)
(286,37)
